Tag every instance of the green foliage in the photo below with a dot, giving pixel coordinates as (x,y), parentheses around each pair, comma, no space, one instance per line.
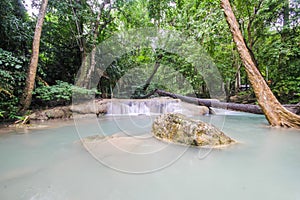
(7,60)
(12,73)
(288,90)
(12,78)
(128,75)
(6,83)
(270,28)
(58,94)
(15,27)
(133,14)
(9,108)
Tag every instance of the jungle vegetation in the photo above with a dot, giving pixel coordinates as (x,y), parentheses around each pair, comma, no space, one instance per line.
(73,28)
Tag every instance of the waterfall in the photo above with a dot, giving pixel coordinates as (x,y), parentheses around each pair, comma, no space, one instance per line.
(153,106)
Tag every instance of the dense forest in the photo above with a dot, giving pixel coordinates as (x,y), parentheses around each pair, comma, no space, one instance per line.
(73,28)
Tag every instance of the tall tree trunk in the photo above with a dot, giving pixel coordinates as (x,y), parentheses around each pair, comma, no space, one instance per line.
(86,75)
(31,74)
(275,113)
(87,70)
(79,27)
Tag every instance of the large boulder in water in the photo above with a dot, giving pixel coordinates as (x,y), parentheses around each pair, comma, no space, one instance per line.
(177,128)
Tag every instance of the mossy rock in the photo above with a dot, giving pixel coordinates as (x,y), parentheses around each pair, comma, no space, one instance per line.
(177,128)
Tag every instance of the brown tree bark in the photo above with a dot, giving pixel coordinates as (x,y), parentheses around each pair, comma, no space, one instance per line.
(275,113)
(31,74)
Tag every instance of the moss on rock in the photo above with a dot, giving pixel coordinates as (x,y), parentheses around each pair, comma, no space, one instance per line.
(177,128)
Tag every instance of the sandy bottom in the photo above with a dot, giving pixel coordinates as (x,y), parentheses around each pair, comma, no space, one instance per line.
(133,154)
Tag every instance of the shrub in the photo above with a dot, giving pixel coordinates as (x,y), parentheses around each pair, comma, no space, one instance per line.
(59,94)
(12,81)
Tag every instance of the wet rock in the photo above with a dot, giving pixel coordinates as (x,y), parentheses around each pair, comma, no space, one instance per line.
(177,128)
(91,107)
(54,113)
(194,110)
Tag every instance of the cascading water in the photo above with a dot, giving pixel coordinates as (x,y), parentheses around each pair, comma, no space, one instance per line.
(146,107)
(153,106)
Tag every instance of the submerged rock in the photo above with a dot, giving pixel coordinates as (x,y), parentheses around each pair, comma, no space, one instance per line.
(177,128)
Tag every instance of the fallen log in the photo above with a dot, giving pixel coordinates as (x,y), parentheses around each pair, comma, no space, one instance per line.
(214,103)
(294,108)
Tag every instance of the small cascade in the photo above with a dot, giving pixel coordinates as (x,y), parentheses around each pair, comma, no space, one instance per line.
(143,107)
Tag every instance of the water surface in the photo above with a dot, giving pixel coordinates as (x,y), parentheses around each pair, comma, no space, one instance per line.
(49,164)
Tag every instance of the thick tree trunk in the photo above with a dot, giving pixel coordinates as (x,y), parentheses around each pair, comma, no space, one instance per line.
(275,113)
(31,74)
(87,70)
(217,104)
(86,75)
